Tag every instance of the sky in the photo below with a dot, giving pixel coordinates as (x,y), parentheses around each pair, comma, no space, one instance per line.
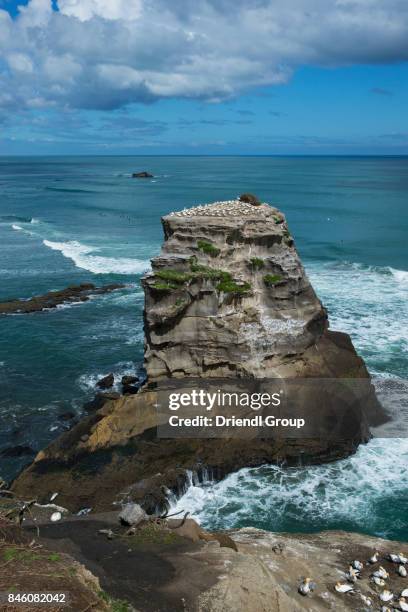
(213,77)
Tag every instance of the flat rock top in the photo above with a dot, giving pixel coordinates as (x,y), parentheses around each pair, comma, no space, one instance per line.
(227,208)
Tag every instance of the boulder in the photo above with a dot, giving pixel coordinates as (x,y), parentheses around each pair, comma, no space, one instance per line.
(106,382)
(130,389)
(250,198)
(132,515)
(129,379)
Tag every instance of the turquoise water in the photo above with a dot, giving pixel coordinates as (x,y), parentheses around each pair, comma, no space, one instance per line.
(70,220)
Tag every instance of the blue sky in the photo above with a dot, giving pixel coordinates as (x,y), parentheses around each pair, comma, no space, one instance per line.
(204,77)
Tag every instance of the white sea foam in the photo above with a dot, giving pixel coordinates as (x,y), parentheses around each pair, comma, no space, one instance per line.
(87,382)
(370,304)
(400,275)
(336,493)
(16,227)
(82,257)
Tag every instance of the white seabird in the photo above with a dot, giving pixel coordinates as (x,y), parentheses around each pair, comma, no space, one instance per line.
(374,558)
(386,595)
(402,571)
(352,574)
(402,602)
(343,587)
(381,573)
(400,558)
(357,565)
(366,600)
(404,593)
(306,586)
(378,581)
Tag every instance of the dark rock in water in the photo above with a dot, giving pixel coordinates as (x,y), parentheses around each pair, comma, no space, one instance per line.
(17,451)
(129,380)
(106,382)
(130,389)
(67,416)
(250,198)
(142,175)
(76,293)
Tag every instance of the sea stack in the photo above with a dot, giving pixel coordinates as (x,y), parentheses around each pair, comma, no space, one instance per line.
(227,298)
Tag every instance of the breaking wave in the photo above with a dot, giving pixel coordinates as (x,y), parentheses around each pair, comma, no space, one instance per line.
(82,257)
(366,492)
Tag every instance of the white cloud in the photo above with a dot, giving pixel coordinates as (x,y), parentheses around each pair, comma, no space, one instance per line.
(109,53)
(108,9)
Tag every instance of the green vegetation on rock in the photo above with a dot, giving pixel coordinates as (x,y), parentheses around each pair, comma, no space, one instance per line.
(257,263)
(171,280)
(208,248)
(173,276)
(271,279)
(287,238)
(116,605)
(162,286)
(231,286)
(200,271)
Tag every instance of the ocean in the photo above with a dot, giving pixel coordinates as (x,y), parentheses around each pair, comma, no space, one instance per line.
(67,220)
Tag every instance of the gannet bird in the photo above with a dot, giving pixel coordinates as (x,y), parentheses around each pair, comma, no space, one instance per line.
(352,574)
(404,593)
(402,571)
(378,581)
(366,600)
(381,573)
(385,609)
(400,558)
(386,595)
(306,586)
(357,565)
(343,587)
(374,558)
(402,602)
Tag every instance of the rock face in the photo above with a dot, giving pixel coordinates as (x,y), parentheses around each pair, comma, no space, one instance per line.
(228,297)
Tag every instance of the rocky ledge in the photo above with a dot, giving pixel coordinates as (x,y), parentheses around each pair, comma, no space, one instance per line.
(227,297)
(173,565)
(52,299)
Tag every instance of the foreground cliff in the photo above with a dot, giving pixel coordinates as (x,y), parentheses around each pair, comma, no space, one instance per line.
(227,297)
(175,566)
